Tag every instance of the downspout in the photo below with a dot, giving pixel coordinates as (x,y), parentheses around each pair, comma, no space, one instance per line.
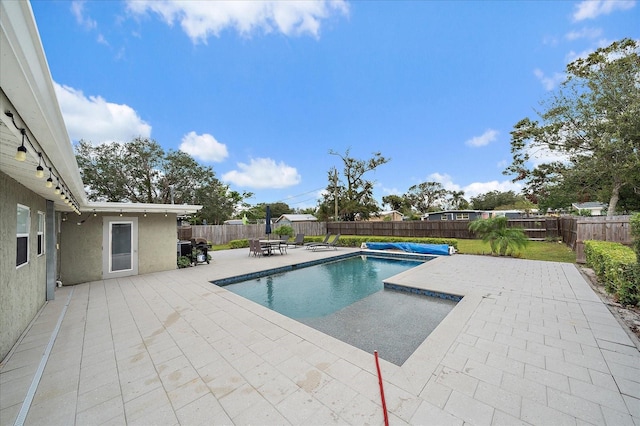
(50,250)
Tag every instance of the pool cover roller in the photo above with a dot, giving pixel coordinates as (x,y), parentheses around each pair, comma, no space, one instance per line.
(440,249)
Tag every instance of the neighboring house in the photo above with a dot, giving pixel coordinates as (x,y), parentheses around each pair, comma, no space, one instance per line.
(473,214)
(511,214)
(391,215)
(49,232)
(288,219)
(455,215)
(595,207)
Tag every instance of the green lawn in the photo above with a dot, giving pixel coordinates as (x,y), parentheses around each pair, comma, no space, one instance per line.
(535,250)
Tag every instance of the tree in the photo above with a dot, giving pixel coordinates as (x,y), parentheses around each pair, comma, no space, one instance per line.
(397,202)
(141,172)
(492,200)
(259,211)
(426,196)
(455,200)
(502,239)
(355,193)
(592,123)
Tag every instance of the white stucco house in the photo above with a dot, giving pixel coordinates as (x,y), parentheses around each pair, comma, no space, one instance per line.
(50,234)
(288,219)
(596,208)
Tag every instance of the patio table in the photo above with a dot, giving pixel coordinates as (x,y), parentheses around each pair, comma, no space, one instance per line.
(271,244)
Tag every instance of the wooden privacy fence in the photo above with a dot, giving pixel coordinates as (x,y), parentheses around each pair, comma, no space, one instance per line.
(575,230)
(535,228)
(222,234)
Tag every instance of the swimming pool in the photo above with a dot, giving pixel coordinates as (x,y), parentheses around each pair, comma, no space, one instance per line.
(362,311)
(322,289)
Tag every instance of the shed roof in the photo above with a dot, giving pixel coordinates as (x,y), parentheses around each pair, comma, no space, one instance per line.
(297,218)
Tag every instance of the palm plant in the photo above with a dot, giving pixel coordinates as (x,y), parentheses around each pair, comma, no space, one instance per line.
(502,239)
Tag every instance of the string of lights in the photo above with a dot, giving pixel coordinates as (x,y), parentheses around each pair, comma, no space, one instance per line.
(44,162)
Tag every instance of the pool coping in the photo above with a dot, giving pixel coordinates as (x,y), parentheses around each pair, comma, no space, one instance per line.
(420,367)
(259,274)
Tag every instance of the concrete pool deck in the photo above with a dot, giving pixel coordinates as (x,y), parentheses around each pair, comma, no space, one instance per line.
(530,343)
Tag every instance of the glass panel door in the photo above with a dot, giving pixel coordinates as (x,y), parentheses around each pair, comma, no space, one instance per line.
(121,247)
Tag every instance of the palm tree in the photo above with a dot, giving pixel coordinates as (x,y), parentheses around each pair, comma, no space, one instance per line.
(502,239)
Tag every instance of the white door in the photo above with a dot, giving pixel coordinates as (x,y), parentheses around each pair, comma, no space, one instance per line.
(119,247)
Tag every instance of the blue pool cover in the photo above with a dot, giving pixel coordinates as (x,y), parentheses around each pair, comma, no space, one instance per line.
(441,249)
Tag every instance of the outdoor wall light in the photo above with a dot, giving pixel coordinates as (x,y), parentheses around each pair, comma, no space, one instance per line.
(21,153)
(120,213)
(145,213)
(39,169)
(49,183)
(94,213)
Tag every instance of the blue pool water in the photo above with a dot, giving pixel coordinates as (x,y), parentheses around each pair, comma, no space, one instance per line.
(322,289)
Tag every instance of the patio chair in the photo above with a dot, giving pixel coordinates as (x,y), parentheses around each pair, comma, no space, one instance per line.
(257,249)
(333,243)
(313,243)
(283,246)
(299,240)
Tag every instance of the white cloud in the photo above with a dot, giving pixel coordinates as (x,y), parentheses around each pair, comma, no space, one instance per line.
(97,121)
(445,180)
(202,19)
(541,155)
(549,83)
(484,139)
(584,33)
(475,188)
(591,9)
(203,147)
(573,55)
(263,173)
(77,8)
(390,191)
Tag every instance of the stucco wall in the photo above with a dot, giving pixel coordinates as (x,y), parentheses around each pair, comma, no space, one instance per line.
(23,289)
(81,245)
(157,243)
(80,249)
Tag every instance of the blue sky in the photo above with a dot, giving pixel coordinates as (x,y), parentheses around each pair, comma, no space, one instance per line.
(261,91)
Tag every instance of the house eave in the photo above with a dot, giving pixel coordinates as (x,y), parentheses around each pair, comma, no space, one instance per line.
(108,207)
(28,94)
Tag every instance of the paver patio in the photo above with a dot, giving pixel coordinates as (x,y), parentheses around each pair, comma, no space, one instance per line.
(530,343)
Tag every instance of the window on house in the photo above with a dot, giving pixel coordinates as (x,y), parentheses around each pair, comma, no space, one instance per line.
(462,216)
(443,217)
(22,235)
(40,233)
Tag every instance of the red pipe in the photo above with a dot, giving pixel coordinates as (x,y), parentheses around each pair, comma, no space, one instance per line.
(384,404)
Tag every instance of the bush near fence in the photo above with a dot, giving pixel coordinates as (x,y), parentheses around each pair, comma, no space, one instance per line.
(616,267)
(356,241)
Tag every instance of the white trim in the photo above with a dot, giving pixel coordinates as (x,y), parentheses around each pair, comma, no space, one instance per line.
(41,233)
(23,234)
(107,260)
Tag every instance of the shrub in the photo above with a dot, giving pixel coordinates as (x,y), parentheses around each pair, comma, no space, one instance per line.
(502,239)
(635,233)
(616,267)
(236,244)
(357,240)
(183,262)
(284,230)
